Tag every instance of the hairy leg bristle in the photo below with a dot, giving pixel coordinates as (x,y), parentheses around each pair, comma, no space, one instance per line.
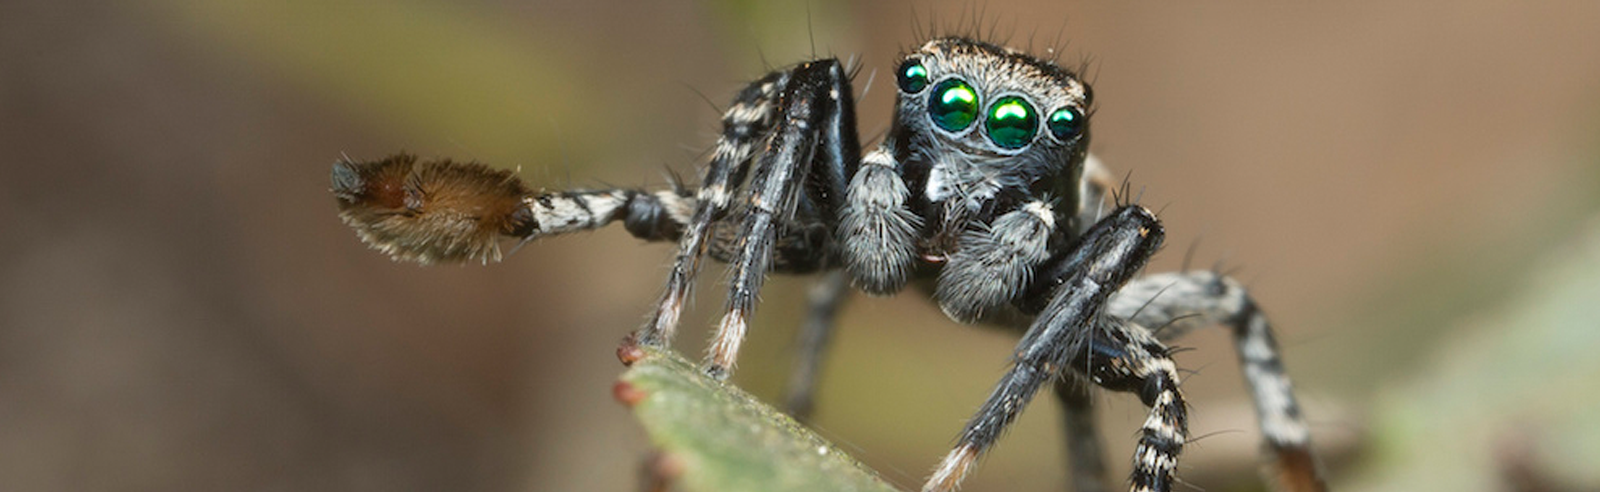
(431,211)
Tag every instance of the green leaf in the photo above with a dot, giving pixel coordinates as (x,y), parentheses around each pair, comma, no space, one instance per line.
(722,439)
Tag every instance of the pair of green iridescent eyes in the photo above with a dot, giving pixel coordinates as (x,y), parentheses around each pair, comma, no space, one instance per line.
(1011,122)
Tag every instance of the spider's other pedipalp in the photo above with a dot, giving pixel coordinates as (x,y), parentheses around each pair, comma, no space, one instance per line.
(993,263)
(877,233)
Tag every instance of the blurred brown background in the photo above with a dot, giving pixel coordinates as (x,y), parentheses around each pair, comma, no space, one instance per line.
(1404,186)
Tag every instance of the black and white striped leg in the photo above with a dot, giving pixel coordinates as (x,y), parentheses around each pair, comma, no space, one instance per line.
(1086,463)
(1071,334)
(814,107)
(745,126)
(439,211)
(1117,355)
(1132,360)
(824,301)
(1176,303)
(651,216)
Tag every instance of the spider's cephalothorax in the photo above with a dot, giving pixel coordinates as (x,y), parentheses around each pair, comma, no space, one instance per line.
(982,191)
(990,147)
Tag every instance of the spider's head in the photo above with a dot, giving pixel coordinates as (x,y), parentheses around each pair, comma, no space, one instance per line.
(983,119)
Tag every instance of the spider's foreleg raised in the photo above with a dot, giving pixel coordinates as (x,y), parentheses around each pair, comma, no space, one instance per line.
(1176,303)
(441,211)
(1072,334)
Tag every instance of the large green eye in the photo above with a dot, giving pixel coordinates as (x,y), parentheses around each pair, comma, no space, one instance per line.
(953,105)
(913,76)
(1012,123)
(1065,123)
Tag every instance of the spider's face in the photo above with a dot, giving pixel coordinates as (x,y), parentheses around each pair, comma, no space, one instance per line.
(983,118)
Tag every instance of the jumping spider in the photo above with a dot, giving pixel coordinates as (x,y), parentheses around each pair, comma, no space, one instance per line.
(982,193)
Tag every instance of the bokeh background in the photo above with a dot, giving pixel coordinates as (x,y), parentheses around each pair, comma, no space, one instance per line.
(1412,191)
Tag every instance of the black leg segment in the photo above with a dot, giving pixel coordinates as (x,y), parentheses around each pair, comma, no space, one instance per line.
(745,125)
(811,345)
(809,110)
(1086,462)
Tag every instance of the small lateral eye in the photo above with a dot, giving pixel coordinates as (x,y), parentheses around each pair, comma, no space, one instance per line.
(1065,123)
(953,105)
(913,76)
(1012,122)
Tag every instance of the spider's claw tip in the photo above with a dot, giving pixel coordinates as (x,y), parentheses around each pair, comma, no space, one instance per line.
(717,372)
(629,352)
(952,469)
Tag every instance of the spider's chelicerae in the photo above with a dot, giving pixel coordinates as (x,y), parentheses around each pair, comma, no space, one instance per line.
(982,193)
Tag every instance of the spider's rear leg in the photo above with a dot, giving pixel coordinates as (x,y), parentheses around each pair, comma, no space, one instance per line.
(1072,334)
(823,303)
(1085,459)
(814,143)
(1176,303)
